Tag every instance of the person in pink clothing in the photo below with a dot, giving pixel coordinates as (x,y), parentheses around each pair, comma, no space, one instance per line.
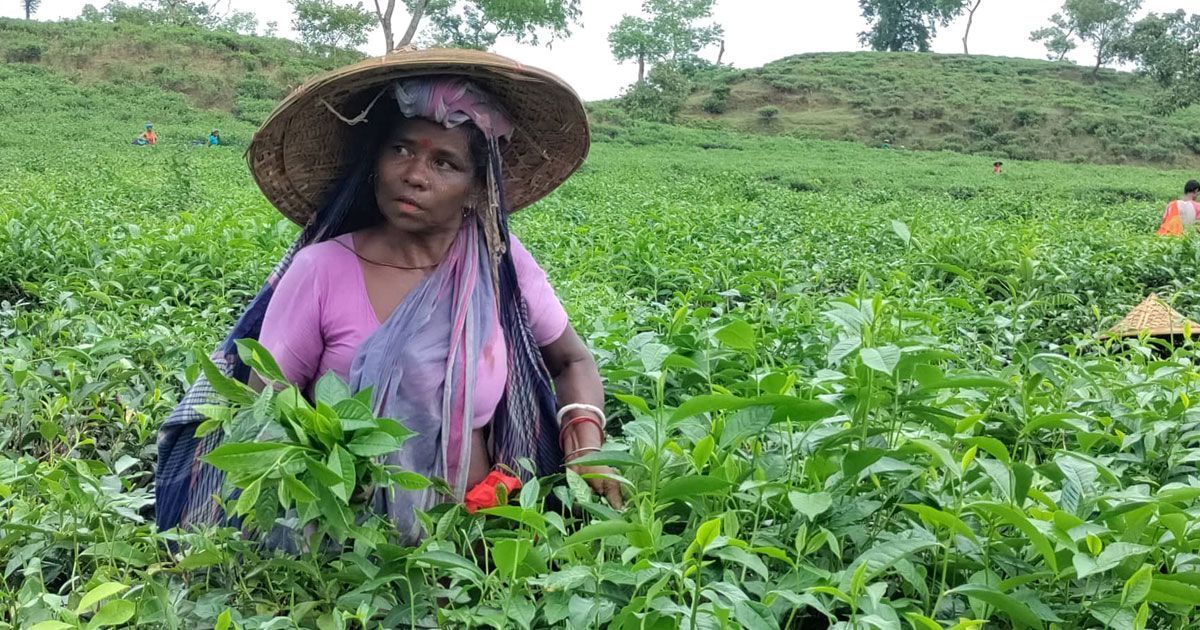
(407,282)
(398,293)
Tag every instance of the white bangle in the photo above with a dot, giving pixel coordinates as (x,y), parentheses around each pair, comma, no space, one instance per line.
(582,407)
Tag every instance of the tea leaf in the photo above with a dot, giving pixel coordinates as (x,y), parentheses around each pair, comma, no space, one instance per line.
(1018,520)
(811,505)
(332,390)
(935,517)
(882,557)
(248,458)
(737,335)
(372,444)
(224,386)
(882,359)
(598,530)
(113,613)
(1137,587)
(690,486)
(98,593)
(448,560)
(1017,612)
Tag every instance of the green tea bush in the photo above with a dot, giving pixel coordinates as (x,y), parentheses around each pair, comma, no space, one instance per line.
(28,52)
(1029,117)
(847,387)
(718,101)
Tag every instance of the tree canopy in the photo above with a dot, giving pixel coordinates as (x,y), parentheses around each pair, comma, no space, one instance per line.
(674,29)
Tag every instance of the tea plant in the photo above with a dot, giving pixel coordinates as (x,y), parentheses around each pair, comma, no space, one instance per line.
(849,388)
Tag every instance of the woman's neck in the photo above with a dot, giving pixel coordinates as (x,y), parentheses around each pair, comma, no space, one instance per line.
(387,243)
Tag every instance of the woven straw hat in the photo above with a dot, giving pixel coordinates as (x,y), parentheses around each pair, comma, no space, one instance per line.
(303,149)
(1155,318)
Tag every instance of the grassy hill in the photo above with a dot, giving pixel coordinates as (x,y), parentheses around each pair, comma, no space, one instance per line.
(1010,108)
(1007,108)
(243,75)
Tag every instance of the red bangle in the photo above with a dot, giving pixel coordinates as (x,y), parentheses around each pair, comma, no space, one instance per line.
(562,431)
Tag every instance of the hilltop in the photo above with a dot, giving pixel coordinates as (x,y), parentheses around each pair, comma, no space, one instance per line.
(243,75)
(1009,108)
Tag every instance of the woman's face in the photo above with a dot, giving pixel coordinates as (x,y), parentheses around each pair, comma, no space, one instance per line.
(424,176)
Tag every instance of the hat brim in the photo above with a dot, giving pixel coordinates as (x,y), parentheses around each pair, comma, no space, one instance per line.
(303,149)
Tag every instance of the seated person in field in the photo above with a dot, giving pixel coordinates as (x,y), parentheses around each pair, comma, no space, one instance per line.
(997,167)
(1181,214)
(214,138)
(147,137)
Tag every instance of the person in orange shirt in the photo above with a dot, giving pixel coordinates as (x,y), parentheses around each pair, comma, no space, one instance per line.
(1181,214)
(147,137)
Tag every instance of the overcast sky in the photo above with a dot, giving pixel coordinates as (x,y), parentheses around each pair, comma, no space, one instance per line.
(756,31)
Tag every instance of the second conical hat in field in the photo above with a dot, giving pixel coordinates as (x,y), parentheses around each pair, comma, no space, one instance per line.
(1156,318)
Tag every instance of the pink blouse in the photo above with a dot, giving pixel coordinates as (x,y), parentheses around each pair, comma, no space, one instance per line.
(319,315)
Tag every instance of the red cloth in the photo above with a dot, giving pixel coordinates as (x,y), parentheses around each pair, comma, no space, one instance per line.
(483,495)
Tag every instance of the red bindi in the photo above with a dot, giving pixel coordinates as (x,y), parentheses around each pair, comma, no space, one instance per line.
(425,143)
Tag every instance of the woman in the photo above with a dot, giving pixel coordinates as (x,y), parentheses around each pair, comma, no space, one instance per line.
(406,279)
(1180,215)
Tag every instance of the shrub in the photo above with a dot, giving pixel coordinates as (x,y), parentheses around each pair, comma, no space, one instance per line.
(768,113)
(1028,117)
(660,97)
(928,112)
(718,101)
(25,53)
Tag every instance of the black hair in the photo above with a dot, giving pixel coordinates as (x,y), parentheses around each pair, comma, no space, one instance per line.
(1191,187)
(351,205)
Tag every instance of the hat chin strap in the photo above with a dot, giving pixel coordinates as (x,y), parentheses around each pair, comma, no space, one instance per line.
(361,117)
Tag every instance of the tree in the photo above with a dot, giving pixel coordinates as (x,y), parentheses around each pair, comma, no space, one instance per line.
(385,22)
(634,38)
(897,25)
(479,23)
(1166,47)
(181,13)
(972,8)
(31,7)
(1058,38)
(326,26)
(1101,23)
(675,30)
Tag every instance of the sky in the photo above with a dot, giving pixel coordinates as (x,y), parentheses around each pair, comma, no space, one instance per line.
(756,32)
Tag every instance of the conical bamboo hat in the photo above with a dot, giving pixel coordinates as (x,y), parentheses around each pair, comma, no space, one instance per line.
(1155,318)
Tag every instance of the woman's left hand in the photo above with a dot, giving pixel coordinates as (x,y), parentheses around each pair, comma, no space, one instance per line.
(586,437)
(603,486)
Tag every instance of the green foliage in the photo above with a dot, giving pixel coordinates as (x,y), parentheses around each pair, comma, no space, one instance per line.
(718,101)
(217,70)
(1101,23)
(674,30)
(1167,48)
(998,107)
(848,387)
(326,26)
(768,113)
(897,25)
(177,13)
(479,23)
(660,97)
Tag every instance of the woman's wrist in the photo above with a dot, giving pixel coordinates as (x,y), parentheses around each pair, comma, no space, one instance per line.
(580,435)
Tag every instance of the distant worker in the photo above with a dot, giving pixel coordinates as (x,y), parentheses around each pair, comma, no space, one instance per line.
(1181,214)
(997,167)
(214,138)
(147,137)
